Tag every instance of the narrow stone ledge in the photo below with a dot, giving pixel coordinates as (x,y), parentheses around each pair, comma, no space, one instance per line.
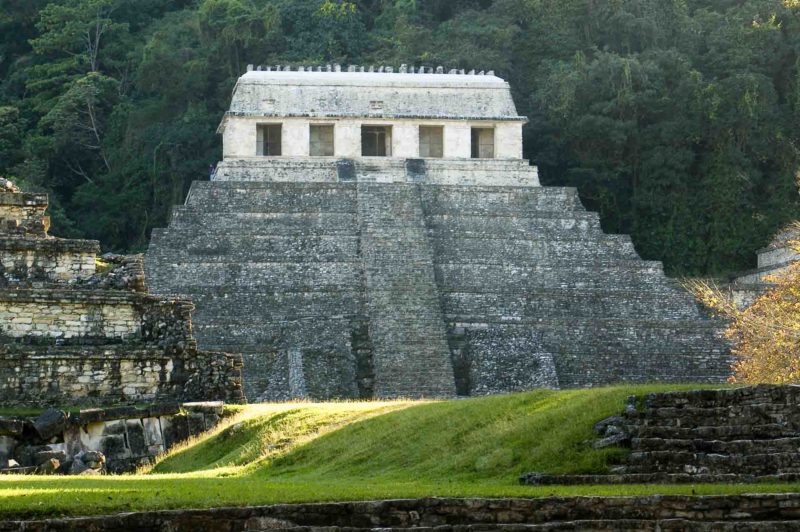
(49,245)
(23,199)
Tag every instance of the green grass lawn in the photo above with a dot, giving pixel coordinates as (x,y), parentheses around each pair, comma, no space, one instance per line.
(301,452)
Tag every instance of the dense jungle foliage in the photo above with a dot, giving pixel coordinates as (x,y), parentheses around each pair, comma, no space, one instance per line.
(678,120)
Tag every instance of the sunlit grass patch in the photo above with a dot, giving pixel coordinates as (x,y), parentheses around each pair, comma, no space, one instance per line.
(261,432)
(305,452)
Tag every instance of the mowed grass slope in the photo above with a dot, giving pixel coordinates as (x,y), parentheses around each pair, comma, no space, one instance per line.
(349,451)
(481,439)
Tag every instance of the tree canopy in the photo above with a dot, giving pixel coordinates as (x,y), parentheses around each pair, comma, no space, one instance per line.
(676,119)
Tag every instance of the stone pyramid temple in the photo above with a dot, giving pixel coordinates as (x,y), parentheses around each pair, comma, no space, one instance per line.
(376,233)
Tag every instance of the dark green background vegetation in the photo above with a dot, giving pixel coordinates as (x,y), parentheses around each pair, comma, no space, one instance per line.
(678,120)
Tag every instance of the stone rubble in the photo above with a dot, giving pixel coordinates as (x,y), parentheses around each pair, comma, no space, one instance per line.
(99,440)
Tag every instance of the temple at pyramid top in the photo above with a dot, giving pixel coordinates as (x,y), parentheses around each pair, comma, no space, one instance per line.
(378,234)
(360,112)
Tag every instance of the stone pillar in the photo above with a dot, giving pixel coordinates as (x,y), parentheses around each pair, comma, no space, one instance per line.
(295,138)
(239,139)
(508,140)
(405,140)
(457,140)
(347,139)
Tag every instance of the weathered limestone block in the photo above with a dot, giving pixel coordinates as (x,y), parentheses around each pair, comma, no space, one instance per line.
(23,214)
(25,260)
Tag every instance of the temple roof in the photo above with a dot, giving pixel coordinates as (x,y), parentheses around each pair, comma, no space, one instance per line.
(340,94)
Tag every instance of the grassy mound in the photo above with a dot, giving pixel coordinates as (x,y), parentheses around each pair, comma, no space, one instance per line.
(302,452)
(256,433)
(486,439)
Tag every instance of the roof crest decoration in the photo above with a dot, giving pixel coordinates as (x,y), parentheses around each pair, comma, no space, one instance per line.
(404,69)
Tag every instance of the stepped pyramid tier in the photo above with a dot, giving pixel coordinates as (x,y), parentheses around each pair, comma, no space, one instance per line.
(374,234)
(75,333)
(773,260)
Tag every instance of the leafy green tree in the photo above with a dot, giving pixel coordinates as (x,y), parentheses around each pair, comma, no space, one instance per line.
(676,119)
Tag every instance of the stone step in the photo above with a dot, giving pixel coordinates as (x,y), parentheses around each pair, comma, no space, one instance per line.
(498,200)
(748,395)
(242,248)
(499,277)
(524,251)
(271,307)
(759,431)
(181,247)
(549,303)
(760,409)
(722,416)
(670,457)
(263,276)
(539,224)
(278,197)
(197,222)
(544,225)
(777,445)
(265,337)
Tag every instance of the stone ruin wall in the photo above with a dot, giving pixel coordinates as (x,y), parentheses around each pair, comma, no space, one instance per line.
(70,334)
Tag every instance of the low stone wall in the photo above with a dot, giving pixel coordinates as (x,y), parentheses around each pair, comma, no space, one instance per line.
(719,513)
(24,260)
(38,375)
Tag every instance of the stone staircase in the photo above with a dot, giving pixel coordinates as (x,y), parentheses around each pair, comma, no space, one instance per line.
(744,435)
(410,352)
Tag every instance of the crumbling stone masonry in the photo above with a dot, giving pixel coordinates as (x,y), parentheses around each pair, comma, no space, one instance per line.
(120,439)
(406,266)
(70,334)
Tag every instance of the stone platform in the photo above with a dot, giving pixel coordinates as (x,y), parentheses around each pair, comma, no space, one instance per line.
(394,281)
